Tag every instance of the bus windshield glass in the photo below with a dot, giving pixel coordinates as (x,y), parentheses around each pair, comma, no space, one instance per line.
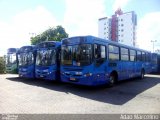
(11,58)
(25,59)
(78,55)
(46,57)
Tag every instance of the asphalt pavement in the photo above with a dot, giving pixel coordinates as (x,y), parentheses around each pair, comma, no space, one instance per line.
(28,96)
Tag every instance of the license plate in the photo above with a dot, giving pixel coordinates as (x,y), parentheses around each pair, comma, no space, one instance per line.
(72,79)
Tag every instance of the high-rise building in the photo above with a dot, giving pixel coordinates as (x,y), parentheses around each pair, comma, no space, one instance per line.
(121,27)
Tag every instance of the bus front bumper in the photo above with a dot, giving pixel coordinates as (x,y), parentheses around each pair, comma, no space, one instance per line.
(90,80)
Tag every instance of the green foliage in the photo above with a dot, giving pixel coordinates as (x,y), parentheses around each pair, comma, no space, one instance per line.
(52,34)
(2,65)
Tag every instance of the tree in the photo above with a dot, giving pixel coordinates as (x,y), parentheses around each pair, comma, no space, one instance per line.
(2,65)
(52,34)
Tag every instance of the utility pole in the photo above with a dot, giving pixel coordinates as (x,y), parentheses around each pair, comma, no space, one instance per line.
(153,43)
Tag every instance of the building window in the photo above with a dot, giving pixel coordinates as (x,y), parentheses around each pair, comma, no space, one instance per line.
(121,19)
(122,30)
(122,25)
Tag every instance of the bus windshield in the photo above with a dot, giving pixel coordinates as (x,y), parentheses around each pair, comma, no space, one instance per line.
(25,59)
(11,58)
(78,55)
(46,57)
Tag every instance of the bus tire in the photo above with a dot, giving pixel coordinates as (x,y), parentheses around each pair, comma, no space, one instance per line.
(142,74)
(112,80)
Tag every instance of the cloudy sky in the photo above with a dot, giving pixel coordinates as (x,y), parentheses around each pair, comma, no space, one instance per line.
(20,18)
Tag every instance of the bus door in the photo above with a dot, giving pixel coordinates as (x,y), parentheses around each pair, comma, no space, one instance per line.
(132,67)
(125,64)
(100,66)
(139,63)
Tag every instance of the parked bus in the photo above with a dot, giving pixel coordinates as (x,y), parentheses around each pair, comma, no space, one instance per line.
(92,61)
(48,60)
(12,61)
(27,58)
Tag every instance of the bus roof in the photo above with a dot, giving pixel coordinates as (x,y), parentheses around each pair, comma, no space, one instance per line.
(93,39)
(12,50)
(47,44)
(26,48)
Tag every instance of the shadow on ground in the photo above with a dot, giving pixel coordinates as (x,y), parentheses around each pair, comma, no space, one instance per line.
(118,95)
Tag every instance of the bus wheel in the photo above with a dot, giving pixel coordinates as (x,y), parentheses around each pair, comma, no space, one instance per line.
(142,74)
(112,80)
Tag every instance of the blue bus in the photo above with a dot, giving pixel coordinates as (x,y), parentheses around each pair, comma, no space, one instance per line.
(48,60)
(91,61)
(12,61)
(27,58)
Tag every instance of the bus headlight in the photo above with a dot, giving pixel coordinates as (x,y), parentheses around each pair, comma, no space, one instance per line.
(45,70)
(49,73)
(62,73)
(78,73)
(67,73)
(88,74)
(24,70)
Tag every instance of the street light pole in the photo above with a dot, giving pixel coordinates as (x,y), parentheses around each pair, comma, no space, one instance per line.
(32,35)
(153,43)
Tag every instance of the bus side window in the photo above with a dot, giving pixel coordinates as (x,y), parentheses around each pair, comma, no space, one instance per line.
(139,56)
(99,53)
(113,53)
(132,55)
(143,56)
(96,50)
(148,56)
(124,54)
